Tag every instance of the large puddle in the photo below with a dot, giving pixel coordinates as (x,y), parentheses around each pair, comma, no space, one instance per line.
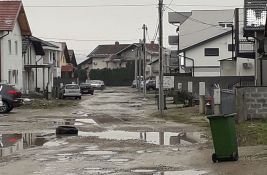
(70,122)
(12,143)
(157,138)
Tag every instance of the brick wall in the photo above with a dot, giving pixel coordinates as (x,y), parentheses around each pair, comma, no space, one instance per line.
(251,103)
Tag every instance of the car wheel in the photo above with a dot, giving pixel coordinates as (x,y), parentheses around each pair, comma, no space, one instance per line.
(10,108)
(4,108)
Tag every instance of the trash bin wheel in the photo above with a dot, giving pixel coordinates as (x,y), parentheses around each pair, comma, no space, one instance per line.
(235,157)
(214,158)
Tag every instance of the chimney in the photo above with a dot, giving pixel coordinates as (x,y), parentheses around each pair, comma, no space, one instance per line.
(117,43)
(152,42)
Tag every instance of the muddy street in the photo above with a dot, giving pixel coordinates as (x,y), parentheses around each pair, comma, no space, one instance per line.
(117,135)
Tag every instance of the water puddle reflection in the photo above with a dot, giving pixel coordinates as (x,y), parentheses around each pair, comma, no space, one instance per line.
(70,122)
(157,138)
(98,152)
(185,172)
(12,143)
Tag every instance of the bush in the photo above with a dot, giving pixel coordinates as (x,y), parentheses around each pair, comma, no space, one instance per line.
(114,77)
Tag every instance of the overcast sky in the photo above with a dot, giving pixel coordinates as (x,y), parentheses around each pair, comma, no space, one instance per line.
(95,24)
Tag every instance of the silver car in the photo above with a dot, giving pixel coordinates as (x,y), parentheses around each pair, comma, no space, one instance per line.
(97,84)
(72,90)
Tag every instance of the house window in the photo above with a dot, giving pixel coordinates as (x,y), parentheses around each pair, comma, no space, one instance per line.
(15,75)
(9,76)
(54,58)
(16,47)
(211,51)
(9,47)
(50,57)
(231,47)
(225,24)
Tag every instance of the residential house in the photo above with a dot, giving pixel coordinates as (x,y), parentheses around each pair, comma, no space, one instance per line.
(206,44)
(104,56)
(13,26)
(39,62)
(255,29)
(73,60)
(65,62)
(117,56)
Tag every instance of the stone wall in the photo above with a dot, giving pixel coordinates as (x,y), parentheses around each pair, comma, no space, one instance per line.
(251,103)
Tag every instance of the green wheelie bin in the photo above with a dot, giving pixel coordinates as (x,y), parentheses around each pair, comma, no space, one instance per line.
(224,138)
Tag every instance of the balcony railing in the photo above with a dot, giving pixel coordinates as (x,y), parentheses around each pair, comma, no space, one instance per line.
(246,48)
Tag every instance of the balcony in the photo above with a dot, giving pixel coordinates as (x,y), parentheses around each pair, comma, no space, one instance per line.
(245,49)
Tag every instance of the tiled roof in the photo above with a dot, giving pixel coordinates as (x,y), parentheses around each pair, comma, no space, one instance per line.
(203,25)
(108,49)
(10,12)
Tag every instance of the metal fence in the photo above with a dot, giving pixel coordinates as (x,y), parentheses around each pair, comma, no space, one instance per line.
(228,101)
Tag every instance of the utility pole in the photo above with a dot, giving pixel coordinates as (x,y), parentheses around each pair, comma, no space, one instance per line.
(139,66)
(161,95)
(144,54)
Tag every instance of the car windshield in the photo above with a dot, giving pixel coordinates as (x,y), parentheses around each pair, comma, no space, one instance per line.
(95,81)
(72,86)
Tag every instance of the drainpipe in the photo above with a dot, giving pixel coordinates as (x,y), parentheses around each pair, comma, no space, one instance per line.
(1,37)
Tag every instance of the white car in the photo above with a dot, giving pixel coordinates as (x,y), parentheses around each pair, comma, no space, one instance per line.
(97,84)
(71,90)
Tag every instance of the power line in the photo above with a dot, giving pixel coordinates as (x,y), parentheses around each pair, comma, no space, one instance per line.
(192,5)
(192,19)
(90,6)
(84,40)
(170,3)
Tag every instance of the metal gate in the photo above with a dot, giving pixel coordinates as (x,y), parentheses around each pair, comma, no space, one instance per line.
(228,103)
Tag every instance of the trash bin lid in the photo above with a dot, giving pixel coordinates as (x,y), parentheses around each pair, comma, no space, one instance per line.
(221,116)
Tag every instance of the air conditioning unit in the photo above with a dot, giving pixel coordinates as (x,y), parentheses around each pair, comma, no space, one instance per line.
(247,65)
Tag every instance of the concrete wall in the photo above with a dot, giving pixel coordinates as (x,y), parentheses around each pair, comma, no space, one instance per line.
(251,103)
(13,61)
(224,82)
(198,54)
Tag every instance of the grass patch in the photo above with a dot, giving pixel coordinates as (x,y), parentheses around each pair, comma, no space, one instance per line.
(252,133)
(49,104)
(189,115)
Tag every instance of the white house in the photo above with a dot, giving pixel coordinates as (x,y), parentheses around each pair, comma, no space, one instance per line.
(13,26)
(40,61)
(206,41)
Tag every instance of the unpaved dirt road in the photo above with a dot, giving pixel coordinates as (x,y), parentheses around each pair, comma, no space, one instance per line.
(116,136)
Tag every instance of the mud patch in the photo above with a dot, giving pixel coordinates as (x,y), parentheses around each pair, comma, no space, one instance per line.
(156,138)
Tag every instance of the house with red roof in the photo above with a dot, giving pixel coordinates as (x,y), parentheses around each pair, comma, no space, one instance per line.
(117,55)
(13,27)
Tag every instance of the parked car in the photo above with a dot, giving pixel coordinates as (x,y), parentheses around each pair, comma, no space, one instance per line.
(86,88)
(97,84)
(150,84)
(11,98)
(71,90)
